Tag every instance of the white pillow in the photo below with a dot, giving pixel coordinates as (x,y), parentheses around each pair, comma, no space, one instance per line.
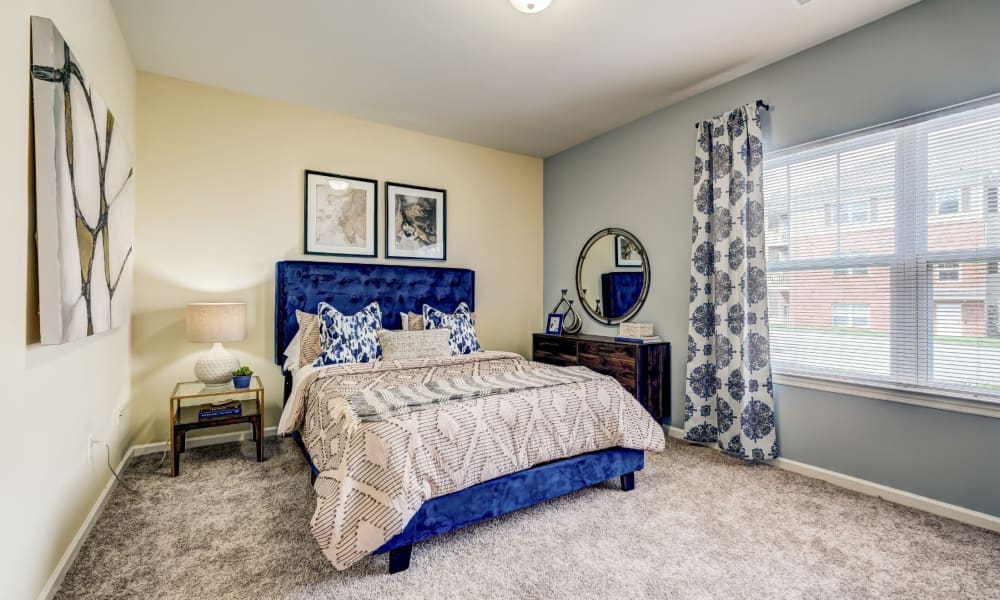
(291,354)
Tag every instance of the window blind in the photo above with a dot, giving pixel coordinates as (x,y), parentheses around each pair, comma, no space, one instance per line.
(883,251)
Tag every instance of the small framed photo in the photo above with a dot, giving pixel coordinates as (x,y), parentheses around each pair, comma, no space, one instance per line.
(341,215)
(415,222)
(553,325)
(626,253)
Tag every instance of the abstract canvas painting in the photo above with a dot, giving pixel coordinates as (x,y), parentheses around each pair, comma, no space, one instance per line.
(83,197)
(415,222)
(340,215)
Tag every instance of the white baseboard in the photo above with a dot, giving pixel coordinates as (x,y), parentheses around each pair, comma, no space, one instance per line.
(62,567)
(929,505)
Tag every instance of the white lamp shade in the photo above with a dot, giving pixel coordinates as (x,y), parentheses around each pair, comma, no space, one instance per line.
(210,322)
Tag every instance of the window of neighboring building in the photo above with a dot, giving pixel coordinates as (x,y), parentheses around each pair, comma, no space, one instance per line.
(993,320)
(948,202)
(949,271)
(851,315)
(992,197)
(883,204)
(777,253)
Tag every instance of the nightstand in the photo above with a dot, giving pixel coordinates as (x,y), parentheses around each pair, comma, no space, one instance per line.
(186,400)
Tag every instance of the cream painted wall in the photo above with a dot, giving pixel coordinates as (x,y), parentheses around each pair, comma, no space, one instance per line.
(222,201)
(53,396)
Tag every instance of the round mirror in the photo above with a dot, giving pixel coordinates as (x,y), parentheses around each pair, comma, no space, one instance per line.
(612,276)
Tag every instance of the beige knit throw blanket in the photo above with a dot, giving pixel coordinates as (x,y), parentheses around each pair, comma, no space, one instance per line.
(379,405)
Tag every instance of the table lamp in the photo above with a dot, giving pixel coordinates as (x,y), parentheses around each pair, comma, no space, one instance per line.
(215,323)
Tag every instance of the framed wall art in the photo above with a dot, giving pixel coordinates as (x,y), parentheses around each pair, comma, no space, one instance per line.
(341,215)
(415,222)
(84,196)
(626,253)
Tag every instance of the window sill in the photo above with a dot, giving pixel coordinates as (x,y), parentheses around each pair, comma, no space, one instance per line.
(951,402)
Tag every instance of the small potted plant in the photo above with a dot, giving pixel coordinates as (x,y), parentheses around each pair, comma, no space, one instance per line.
(241,377)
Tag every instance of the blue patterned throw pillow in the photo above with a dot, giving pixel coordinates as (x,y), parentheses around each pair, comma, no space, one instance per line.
(348,338)
(463,338)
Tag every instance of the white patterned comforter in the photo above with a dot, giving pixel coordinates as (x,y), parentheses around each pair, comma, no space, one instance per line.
(373,480)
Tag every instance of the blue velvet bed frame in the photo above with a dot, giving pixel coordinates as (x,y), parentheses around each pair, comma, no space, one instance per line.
(350,286)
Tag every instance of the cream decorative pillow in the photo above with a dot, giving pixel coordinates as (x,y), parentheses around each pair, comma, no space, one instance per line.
(412,321)
(309,338)
(429,343)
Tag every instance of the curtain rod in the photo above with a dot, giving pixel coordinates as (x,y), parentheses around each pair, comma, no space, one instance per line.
(760,104)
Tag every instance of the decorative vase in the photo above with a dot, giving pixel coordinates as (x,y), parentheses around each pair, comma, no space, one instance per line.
(241,382)
(571,319)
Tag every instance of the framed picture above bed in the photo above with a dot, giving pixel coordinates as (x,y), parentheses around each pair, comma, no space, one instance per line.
(341,215)
(415,222)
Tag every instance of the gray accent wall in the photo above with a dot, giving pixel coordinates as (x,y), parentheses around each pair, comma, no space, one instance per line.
(639,177)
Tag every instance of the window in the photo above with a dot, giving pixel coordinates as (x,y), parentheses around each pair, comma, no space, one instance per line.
(777,254)
(851,315)
(993,320)
(854,212)
(846,271)
(949,271)
(890,258)
(947,202)
(850,271)
(991,192)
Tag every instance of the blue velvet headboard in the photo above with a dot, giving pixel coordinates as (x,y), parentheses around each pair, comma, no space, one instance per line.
(302,285)
(620,290)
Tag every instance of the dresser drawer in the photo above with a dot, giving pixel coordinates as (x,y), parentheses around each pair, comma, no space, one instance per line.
(553,359)
(554,350)
(618,367)
(615,351)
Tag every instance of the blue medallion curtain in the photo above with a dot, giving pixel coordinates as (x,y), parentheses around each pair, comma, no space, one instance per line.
(729,399)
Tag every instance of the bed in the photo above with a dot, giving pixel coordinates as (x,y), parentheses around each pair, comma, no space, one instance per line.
(383,486)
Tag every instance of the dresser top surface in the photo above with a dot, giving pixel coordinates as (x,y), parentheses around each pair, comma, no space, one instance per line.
(586,337)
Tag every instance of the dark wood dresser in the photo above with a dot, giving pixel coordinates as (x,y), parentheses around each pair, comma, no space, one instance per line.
(642,369)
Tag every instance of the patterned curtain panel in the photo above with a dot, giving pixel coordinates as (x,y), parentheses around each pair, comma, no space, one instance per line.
(729,398)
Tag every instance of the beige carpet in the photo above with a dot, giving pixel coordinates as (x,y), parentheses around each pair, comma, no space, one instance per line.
(698,525)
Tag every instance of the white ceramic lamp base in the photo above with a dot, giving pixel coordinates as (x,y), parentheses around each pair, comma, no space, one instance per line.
(216,366)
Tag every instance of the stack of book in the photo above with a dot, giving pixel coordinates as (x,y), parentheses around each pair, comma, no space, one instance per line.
(639,333)
(228,409)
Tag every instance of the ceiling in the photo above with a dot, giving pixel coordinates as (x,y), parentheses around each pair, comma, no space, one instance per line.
(477,70)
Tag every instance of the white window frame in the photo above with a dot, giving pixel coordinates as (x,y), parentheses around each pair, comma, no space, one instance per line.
(911,239)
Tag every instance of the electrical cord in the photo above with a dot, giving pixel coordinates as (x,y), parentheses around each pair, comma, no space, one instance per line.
(107,448)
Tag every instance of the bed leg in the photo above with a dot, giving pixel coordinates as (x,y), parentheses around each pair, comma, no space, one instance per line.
(628,482)
(399,559)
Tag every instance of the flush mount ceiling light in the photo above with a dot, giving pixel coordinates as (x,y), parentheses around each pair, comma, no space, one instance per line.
(531,6)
